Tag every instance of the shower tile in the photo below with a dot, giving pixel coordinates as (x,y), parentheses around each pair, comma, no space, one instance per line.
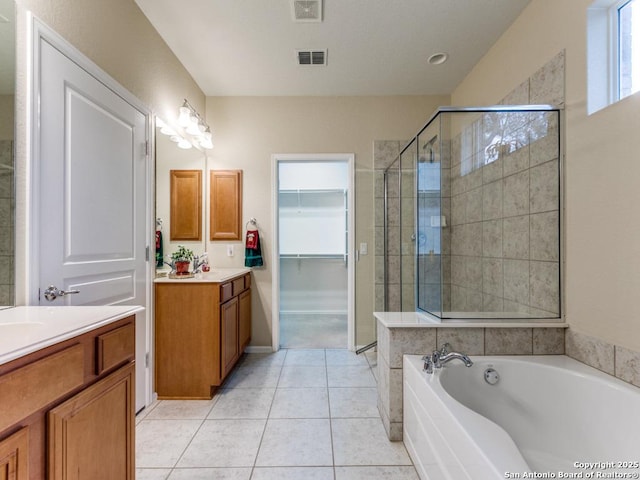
(393,209)
(492,200)
(385,152)
(379,300)
(547,84)
(492,238)
(473,239)
(548,341)
(394,303)
(544,187)
(516,237)
(516,194)
(473,179)
(543,285)
(517,308)
(458,298)
(516,161)
(408,297)
(517,96)
(456,152)
(378,207)
(491,303)
(445,182)
(473,205)
(492,276)
(393,241)
(473,276)
(546,148)
(466,340)
(383,341)
(408,244)
(378,184)
(393,271)
(593,351)
(516,281)
(493,171)
(379,240)
(474,300)
(508,341)
(628,365)
(545,236)
(459,209)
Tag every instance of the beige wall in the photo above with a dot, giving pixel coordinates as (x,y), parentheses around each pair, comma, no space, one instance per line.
(602,207)
(248,130)
(120,40)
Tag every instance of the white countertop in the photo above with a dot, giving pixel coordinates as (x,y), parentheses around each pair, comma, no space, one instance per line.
(216,275)
(425,320)
(24,330)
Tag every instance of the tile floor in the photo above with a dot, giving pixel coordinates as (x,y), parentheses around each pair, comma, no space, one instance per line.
(294,414)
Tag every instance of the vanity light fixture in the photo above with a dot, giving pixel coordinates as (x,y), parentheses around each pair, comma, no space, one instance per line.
(192,130)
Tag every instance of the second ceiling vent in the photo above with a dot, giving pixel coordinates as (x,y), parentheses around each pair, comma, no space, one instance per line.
(306,10)
(311,57)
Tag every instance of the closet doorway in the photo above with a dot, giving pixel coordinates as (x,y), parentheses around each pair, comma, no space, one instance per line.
(313,245)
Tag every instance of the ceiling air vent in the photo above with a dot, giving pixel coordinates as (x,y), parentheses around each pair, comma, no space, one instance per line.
(307,10)
(311,57)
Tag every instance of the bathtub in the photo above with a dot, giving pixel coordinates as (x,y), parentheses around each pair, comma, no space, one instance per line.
(546,417)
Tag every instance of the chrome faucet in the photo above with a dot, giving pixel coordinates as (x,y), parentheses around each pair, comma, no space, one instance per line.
(440,357)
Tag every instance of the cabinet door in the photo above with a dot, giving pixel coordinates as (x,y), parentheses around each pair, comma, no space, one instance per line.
(229,338)
(244,320)
(14,457)
(225,205)
(91,435)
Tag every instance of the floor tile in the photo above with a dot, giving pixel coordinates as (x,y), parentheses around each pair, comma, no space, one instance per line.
(363,441)
(300,442)
(152,473)
(224,443)
(243,403)
(159,443)
(254,377)
(292,473)
(303,376)
(309,358)
(145,412)
(210,474)
(300,403)
(262,359)
(344,357)
(350,376)
(181,410)
(376,473)
(353,402)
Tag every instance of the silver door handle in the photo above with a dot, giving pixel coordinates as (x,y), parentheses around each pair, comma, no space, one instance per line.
(54,292)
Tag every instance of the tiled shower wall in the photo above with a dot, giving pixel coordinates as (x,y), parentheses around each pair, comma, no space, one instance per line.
(500,250)
(6,223)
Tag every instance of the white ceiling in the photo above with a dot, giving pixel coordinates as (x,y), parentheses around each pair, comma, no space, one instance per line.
(375,47)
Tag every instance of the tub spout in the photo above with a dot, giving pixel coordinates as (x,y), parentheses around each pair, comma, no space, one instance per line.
(453,356)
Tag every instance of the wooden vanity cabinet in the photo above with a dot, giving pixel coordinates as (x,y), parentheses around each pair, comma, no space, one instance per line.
(201,331)
(67,410)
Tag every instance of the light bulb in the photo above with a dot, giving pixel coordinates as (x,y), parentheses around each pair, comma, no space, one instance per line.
(193,128)
(184,144)
(185,116)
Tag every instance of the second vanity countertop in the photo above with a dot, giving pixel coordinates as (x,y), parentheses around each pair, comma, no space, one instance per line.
(216,275)
(24,330)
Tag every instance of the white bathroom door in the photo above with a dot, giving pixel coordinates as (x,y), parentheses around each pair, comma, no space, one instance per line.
(90,200)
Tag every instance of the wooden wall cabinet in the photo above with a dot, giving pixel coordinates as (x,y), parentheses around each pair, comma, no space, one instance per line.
(67,410)
(186,204)
(201,331)
(225,205)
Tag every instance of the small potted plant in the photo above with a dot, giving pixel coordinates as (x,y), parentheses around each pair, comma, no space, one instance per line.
(181,260)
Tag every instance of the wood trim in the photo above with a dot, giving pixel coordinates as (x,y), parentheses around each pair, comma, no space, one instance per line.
(186,204)
(225,212)
(30,388)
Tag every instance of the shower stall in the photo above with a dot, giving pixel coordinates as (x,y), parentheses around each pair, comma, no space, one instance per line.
(472,215)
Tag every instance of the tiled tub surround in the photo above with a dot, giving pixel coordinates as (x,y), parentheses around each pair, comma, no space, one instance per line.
(411,333)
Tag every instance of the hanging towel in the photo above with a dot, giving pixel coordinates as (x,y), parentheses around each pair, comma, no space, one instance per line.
(252,250)
(159,255)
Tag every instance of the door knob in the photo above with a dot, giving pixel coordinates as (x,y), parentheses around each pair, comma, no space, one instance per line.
(53,292)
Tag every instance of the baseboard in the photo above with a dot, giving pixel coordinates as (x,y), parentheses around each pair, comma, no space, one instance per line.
(257,349)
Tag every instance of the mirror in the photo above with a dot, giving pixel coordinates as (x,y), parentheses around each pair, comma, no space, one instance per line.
(170,157)
(7,190)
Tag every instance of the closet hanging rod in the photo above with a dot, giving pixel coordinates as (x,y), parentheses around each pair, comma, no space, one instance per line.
(313,255)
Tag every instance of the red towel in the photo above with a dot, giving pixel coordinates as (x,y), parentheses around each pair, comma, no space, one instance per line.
(252,239)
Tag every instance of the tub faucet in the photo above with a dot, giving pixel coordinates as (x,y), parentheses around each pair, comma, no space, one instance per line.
(439,357)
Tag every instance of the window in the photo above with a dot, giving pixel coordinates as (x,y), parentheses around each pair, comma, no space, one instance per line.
(627,17)
(613,51)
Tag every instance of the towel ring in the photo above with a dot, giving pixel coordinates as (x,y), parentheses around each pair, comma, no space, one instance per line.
(251,221)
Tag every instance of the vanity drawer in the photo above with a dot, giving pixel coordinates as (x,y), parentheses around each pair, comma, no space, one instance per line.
(29,388)
(238,285)
(115,347)
(226,291)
